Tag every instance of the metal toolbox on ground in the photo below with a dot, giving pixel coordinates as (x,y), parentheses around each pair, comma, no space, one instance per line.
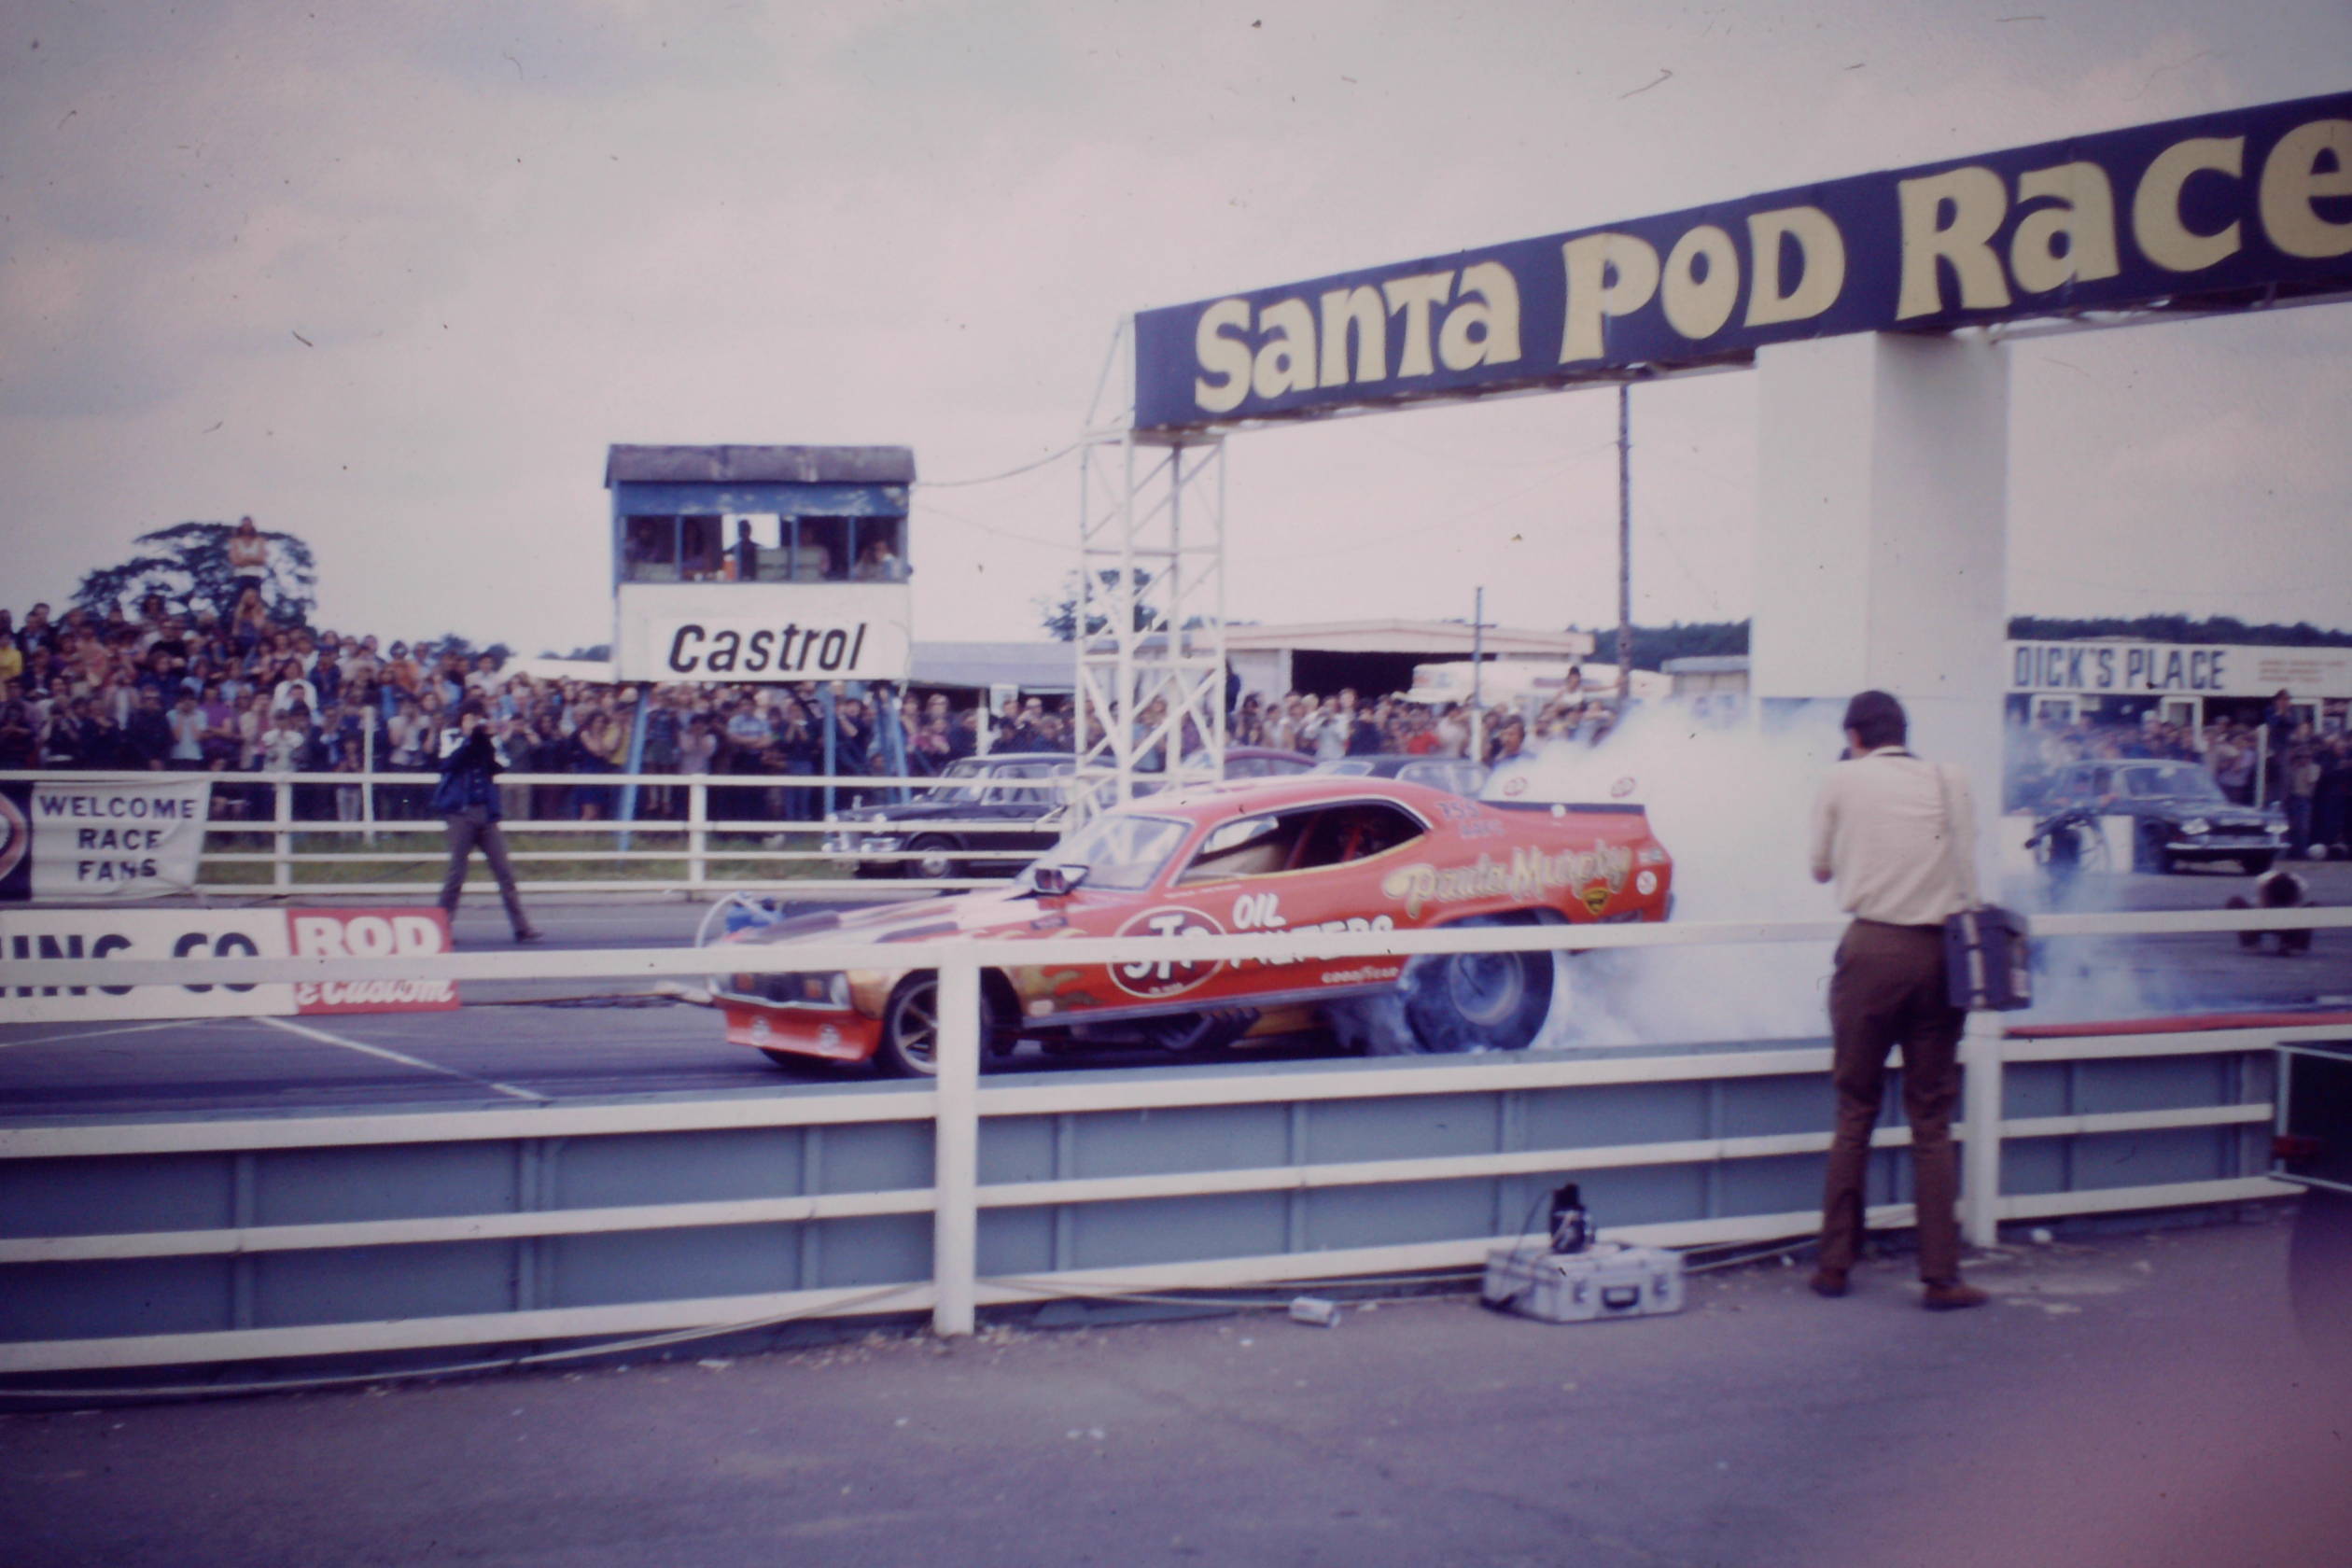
(1609,1280)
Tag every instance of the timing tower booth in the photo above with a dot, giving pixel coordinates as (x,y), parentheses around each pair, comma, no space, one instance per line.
(760,563)
(765,564)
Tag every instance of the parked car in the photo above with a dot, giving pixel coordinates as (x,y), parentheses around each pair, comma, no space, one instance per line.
(1313,852)
(1264,761)
(2180,814)
(933,827)
(1010,787)
(1460,775)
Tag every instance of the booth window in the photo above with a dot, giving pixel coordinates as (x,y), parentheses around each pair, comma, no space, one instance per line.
(881,548)
(756,549)
(648,549)
(698,547)
(820,548)
(761,547)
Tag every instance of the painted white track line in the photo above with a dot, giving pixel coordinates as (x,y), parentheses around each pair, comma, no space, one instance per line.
(323,1037)
(120,1028)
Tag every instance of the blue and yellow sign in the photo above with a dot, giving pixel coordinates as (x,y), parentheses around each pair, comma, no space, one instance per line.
(2220,211)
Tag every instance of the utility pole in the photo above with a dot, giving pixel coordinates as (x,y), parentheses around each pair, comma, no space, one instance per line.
(1477,660)
(1625,542)
(1478,640)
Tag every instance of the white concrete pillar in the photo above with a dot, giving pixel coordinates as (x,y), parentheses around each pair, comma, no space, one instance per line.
(1881,547)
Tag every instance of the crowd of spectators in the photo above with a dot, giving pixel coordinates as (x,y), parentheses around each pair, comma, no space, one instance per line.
(162,689)
(1347,724)
(165,690)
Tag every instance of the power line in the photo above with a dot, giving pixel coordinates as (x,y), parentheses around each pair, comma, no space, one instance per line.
(1009,473)
(997,533)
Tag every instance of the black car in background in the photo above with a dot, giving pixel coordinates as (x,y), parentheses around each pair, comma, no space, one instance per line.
(2180,815)
(1458,774)
(932,831)
(1009,787)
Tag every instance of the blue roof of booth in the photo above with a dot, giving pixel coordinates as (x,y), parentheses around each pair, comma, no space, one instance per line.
(759,465)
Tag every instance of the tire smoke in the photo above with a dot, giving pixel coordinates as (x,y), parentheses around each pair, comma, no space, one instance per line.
(1732,802)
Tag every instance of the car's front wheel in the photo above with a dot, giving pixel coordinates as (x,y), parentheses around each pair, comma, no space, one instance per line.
(910,1028)
(2154,856)
(934,858)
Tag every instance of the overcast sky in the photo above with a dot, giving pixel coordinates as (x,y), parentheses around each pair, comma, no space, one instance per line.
(391,277)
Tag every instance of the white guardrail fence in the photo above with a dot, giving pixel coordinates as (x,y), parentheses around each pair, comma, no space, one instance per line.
(385,820)
(957,1103)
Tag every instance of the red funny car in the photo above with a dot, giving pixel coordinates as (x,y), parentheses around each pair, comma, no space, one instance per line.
(1310,852)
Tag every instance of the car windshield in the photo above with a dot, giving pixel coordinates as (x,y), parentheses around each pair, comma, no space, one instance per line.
(2184,781)
(1350,766)
(967,780)
(1122,852)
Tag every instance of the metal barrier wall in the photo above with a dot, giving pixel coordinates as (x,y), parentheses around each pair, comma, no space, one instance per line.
(697,843)
(195,1240)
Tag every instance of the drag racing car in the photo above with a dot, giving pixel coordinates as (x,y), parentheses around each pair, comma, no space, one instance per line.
(1310,852)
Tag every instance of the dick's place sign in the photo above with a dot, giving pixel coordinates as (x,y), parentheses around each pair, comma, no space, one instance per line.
(2227,208)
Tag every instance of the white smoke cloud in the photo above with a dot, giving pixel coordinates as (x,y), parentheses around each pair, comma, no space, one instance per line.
(1731,804)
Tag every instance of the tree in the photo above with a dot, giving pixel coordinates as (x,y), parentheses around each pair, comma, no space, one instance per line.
(2174,628)
(187,564)
(1654,645)
(1059,617)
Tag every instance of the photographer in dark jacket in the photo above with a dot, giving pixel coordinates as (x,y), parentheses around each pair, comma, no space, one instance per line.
(467,799)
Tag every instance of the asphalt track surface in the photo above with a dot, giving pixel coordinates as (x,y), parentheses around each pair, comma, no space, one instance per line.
(530,1041)
(2139,1400)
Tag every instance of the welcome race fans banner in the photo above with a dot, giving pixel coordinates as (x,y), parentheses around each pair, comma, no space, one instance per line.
(111,841)
(27,935)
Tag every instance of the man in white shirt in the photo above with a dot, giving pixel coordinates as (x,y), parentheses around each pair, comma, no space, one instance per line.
(1896,834)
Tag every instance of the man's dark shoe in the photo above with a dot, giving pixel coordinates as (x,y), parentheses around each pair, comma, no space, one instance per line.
(532,935)
(1950,1296)
(1828,1281)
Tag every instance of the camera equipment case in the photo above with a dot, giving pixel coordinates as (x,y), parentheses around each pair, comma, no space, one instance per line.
(1609,1280)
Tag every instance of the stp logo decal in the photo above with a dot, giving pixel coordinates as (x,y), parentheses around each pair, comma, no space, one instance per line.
(1646,884)
(1153,978)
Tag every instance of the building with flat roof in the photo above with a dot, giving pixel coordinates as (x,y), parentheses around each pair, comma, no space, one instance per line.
(1379,655)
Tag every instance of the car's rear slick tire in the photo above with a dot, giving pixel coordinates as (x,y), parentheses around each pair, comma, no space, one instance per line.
(1477,1002)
